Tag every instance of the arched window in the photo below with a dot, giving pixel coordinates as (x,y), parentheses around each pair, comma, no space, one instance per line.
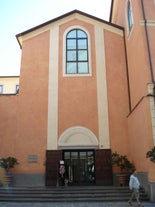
(77,52)
(129,16)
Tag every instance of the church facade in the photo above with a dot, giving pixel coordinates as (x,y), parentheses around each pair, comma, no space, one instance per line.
(86,89)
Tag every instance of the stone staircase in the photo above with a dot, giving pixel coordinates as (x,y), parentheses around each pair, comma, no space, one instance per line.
(67,194)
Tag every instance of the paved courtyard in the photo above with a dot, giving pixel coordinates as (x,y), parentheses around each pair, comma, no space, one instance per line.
(69,204)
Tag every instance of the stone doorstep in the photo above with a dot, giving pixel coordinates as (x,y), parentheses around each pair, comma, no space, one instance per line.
(66,194)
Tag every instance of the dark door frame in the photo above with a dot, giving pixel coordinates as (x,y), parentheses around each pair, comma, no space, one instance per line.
(80,164)
(103,168)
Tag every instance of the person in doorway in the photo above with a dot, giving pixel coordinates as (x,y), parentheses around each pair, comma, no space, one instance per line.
(134,185)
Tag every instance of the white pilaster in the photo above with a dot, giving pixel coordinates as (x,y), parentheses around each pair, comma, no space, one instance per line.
(52,131)
(101,89)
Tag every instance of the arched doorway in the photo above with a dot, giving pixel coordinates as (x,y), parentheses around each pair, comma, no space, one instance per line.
(85,162)
(80,166)
(78,145)
(78,138)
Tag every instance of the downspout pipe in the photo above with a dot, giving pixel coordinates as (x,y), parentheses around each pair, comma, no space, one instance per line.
(147,40)
(127,72)
(127,69)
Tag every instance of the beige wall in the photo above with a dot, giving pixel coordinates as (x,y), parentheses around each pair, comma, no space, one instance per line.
(9,84)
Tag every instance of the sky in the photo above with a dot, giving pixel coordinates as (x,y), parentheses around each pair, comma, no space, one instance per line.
(17,16)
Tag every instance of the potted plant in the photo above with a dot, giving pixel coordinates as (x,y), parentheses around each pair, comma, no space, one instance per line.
(7,164)
(125,166)
(151,155)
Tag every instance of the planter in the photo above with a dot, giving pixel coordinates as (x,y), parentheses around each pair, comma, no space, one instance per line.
(8,177)
(123,179)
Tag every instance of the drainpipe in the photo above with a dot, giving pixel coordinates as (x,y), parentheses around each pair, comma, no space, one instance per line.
(127,72)
(147,40)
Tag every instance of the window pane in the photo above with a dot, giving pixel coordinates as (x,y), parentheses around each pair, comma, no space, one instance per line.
(130,16)
(71,68)
(67,155)
(17,88)
(71,44)
(76,52)
(72,34)
(82,55)
(82,155)
(81,34)
(1,89)
(74,155)
(83,67)
(71,55)
(82,44)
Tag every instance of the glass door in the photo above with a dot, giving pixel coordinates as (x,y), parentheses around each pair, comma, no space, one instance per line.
(80,166)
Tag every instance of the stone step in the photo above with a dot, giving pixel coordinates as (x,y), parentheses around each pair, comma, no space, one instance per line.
(66,194)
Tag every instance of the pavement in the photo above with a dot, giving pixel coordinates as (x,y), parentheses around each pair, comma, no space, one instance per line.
(75,204)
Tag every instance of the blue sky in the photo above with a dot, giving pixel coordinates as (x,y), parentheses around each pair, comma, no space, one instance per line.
(17,16)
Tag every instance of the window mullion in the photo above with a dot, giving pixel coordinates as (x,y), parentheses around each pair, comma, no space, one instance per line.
(77,51)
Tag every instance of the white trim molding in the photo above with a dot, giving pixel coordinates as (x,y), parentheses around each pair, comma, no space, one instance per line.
(52,128)
(152,108)
(148,22)
(77,137)
(103,119)
(64,52)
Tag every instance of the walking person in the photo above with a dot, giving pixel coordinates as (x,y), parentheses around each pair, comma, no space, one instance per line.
(134,185)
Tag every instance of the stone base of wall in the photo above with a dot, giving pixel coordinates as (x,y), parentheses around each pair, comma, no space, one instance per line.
(117,179)
(149,187)
(28,180)
(39,180)
(152,191)
(143,179)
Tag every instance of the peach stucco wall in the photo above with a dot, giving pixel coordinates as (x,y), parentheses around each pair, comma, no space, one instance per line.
(117,92)
(139,120)
(137,51)
(8,126)
(78,97)
(33,102)
(139,69)
(75,96)
(140,138)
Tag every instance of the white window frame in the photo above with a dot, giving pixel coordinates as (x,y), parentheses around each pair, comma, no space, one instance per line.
(64,52)
(17,88)
(129,27)
(1,89)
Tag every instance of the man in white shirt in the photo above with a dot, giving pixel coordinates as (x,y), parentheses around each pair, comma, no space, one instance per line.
(134,185)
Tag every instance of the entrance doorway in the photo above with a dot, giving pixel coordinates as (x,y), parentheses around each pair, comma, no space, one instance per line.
(80,166)
(84,167)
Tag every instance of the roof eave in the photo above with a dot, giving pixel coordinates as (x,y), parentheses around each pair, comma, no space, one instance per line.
(61,17)
(111,10)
